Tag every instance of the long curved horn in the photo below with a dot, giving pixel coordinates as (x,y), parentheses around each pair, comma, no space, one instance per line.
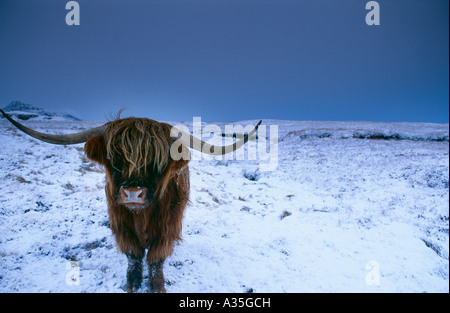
(68,139)
(199,145)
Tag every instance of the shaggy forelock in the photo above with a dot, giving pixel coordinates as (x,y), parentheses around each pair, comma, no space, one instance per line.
(139,144)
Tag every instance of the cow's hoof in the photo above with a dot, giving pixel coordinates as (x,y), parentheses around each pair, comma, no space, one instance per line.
(134,282)
(157,286)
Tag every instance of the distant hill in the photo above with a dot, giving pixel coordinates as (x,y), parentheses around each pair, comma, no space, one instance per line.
(25,111)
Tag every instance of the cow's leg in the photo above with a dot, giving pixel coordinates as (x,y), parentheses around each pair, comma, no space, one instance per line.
(134,272)
(156,275)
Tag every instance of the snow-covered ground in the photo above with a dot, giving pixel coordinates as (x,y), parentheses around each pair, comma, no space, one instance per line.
(351,207)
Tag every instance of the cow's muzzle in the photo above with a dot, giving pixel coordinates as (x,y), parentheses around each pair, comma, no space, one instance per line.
(134,198)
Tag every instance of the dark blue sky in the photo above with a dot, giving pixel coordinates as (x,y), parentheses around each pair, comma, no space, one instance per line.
(227,60)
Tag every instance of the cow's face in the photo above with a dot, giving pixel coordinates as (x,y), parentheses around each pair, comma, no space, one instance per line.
(135,191)
(135,154)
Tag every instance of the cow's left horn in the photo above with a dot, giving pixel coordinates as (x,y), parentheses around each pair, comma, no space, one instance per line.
(199,145)
(68,139)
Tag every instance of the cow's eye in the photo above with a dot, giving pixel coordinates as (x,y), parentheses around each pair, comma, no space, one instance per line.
(116,172)
(117,167)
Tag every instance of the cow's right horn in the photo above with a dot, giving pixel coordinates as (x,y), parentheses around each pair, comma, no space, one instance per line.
(68,139)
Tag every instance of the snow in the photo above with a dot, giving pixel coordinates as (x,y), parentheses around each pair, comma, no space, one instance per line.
(350,207)
(25,111)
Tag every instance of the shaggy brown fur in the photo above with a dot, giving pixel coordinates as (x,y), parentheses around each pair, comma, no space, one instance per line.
(139,148)
(138,142)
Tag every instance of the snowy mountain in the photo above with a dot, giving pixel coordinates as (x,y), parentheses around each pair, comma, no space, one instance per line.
(350,207)
(24,111)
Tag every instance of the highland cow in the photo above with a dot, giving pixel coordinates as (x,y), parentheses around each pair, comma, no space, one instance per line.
(147,185)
